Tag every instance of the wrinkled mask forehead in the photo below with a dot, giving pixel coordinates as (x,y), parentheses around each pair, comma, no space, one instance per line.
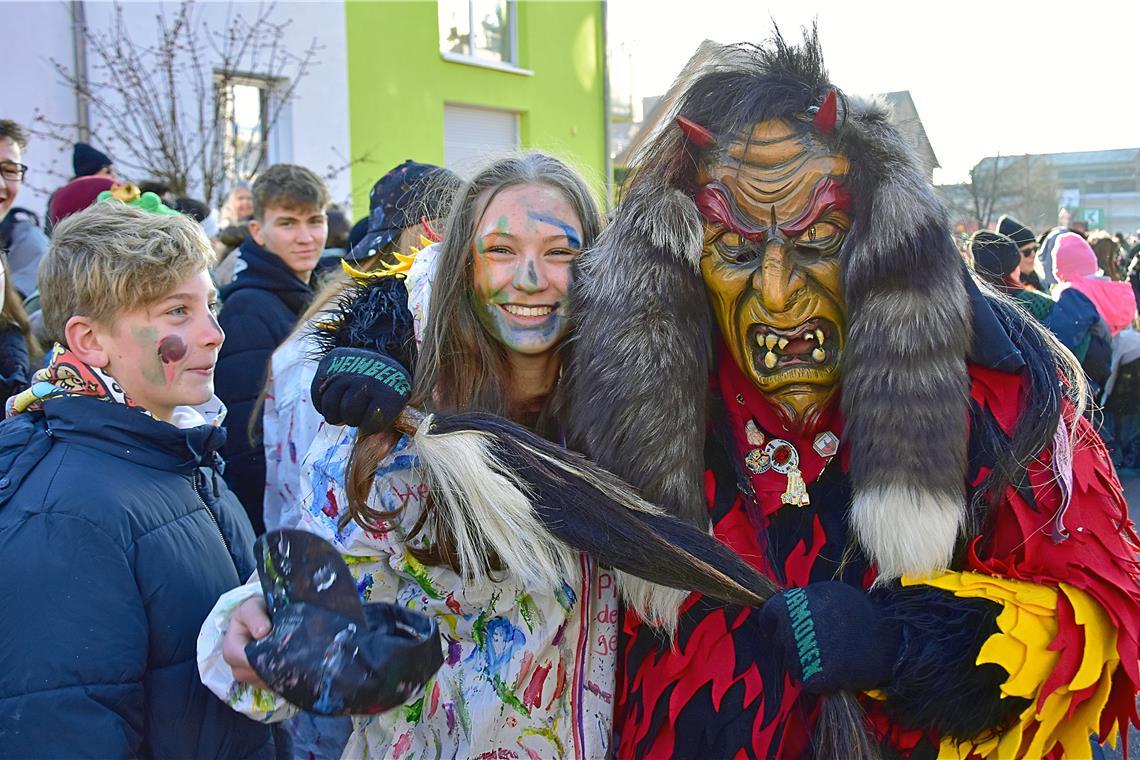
(775,175)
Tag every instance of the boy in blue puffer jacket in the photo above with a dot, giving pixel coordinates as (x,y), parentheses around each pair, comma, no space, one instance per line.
(116,532)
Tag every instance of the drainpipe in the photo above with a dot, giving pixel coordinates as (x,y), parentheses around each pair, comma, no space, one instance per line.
(79,47)
(606,108)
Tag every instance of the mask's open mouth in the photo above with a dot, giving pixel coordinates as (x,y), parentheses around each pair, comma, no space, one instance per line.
(813,344)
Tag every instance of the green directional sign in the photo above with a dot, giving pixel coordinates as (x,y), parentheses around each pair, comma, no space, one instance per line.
(1094,217)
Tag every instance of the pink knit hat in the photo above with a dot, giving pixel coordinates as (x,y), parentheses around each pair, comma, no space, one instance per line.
(1073,257)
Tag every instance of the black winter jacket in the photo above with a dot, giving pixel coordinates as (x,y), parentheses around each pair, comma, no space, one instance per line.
(259,310)
(115,543)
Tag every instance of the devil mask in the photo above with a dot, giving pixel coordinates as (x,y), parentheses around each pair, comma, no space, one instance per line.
(775,214)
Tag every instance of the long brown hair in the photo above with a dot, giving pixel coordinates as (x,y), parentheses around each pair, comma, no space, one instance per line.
(461,366)
(14,314)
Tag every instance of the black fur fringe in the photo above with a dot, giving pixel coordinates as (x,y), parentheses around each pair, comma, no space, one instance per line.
(374,316)
(936,683)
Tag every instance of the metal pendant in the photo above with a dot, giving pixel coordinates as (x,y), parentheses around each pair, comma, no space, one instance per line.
(795,494)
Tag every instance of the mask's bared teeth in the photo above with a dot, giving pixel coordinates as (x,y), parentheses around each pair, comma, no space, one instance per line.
(819,354)
(770,360)
(769,341)
(819,336)
(782,343)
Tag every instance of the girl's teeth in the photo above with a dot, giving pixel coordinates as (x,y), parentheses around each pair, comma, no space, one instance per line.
(529,311)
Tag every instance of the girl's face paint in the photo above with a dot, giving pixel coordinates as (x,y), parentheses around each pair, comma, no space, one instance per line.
(163,354)
(525,243)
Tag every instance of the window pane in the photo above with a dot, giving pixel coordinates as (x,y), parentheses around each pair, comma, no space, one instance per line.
(455,26)
(492,29)
(247,127)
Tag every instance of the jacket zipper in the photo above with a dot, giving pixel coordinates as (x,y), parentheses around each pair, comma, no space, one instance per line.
(194,483)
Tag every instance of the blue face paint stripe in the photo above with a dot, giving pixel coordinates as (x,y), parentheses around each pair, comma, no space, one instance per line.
(553,221)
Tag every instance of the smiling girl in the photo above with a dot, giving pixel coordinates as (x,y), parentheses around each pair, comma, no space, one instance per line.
(528,671)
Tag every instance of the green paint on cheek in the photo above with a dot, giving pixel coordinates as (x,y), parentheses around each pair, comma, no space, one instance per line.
(146,338)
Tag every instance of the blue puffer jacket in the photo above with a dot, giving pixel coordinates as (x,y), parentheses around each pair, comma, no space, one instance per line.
(115,542)
(259,310)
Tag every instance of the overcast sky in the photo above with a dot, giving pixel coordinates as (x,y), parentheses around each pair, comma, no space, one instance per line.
(987,77)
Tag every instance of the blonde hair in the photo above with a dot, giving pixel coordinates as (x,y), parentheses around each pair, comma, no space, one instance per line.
(111,257)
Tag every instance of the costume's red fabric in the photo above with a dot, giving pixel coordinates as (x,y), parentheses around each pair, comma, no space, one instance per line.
(716,692)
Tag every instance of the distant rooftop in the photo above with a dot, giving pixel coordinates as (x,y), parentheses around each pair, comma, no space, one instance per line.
(1095,156)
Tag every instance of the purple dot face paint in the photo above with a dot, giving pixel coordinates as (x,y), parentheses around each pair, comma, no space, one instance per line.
(171,349)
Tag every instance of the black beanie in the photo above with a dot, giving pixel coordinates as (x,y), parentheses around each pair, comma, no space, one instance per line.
(1015,231)
(85,160)
(995,255)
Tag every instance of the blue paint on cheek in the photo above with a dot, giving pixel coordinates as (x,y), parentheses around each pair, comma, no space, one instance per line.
(571,233)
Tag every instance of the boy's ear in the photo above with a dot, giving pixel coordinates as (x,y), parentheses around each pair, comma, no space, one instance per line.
(255,231)
(83,339)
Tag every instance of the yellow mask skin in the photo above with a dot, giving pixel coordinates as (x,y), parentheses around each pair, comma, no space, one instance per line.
(776,215)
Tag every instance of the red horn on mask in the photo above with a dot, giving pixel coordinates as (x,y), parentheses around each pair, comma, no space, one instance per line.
(824,120)
(695,133)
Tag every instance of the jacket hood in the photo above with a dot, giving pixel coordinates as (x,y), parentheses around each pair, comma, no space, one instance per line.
(1115,302)
(257,268)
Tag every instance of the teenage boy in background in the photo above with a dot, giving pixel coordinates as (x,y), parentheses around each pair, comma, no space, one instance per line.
(269,292)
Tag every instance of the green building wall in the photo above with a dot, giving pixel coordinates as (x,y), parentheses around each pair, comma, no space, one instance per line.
(398,85)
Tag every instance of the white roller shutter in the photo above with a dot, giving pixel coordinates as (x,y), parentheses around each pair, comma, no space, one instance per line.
(472,137)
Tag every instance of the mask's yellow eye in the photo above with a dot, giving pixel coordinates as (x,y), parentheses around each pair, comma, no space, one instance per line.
(735,249)
(731,240)
(821,236)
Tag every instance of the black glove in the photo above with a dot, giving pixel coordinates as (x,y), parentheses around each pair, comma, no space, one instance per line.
(328,653)
(360,388)
(831,637)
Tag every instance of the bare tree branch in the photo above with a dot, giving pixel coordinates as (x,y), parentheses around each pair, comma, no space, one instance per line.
(163,108)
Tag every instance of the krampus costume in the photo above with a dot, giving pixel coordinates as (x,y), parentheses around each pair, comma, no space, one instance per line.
(777,337)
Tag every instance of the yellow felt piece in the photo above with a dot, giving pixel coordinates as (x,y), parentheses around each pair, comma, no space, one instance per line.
(356,274)
(1073,732)
(1027,625)
(424,242)
(1100,637)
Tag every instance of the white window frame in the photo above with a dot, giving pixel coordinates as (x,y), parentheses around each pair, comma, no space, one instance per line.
(510,67)
(271,147)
